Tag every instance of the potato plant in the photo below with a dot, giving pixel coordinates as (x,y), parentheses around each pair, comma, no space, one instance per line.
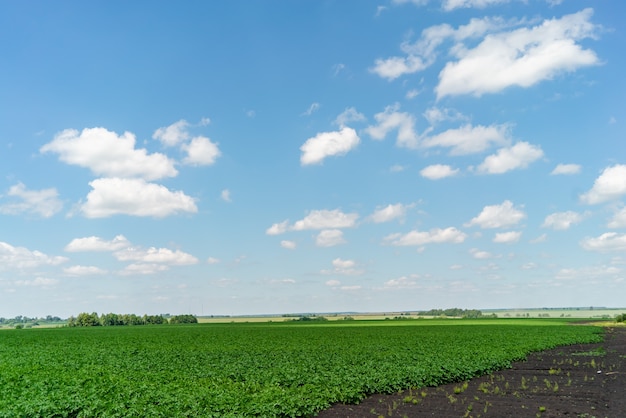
(264,370)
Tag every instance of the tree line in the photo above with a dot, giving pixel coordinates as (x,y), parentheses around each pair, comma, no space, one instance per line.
(454,312)
(85,319)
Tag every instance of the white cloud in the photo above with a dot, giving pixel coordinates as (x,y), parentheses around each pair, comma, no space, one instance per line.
(619,219)
(394,67)
(566,169)
(415,2)
(449,5)
(412,94)
(156,255)
(326,219)
(333,283)
(434,236)
(344,267)
(213,260)
(435,115)
(143,268)
(136,197)
(329,238)
(520,155)
(349,115)
(83,270)
(523,57)
(438,171)
(470,139)
(610,185)
(94,243)
(225,195)
(609,241)
(391,119)
(278,228)
(326,144)
(403,282)
(316,219)
(507,237)
(480,255)
(176,133)
(44,203)
(562,220)
(498,216)
(389,213)
(312,109)
(107,154)
(290,245)
(20,257)
(201,151)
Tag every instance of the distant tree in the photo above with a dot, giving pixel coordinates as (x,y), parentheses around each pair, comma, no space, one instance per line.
(183,319)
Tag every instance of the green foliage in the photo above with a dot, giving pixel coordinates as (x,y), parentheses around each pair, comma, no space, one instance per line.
(111,319)
(620,318)
(455,313)
(251,370)
(183,319)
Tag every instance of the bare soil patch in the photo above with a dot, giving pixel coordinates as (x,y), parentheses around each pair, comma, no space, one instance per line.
(581,380)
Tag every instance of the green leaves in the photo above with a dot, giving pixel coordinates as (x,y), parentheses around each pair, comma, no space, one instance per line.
(238,370)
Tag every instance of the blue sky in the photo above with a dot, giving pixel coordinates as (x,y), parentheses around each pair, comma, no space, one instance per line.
(315,156)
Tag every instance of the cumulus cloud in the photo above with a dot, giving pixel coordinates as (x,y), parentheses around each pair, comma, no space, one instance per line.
(316,219)
(610,185)
(562,220)
(201,151)
(434,236)
(438,171)
(470,139)
(394,67)
(94,243)
(107,154)
(155,255)
(175,133)
(290,245)
(619,219)
(344,267)
(609,241)
(392,119)
(326,144)
(329,238)
(507,237)
(498,216)
(21,257)
(136,197)
(520,155)
(44,203)
(522,57)
(566,169)
(479,254)
(389,213)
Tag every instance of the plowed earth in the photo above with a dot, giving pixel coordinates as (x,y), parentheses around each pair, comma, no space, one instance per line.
(582,380)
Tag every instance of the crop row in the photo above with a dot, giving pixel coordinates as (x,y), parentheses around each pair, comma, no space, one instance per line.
(238,370)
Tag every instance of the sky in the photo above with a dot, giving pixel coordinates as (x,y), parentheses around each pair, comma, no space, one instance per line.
(271,157)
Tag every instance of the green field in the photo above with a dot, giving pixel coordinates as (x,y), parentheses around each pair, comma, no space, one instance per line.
(267,370)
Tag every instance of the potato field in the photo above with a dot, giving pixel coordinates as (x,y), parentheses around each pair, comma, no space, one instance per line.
(281,369)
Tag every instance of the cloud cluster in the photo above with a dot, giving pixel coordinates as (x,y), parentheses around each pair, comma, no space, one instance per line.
(505,57)
(44,203)
(126,172)
(498,216)
(142,260)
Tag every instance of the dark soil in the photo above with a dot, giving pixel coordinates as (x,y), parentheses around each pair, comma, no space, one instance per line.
(582,380)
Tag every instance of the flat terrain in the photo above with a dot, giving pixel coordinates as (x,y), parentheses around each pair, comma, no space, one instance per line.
(580,380)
